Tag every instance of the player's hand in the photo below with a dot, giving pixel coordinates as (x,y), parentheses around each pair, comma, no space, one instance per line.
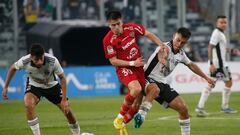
(65,106)
(211,82)
(163,54)
(139,62)
(212,68)
(4,94)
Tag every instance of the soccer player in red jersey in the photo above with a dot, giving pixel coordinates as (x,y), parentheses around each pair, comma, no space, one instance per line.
(122,50)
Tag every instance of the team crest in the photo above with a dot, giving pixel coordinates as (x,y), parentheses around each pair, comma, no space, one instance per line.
(110,49)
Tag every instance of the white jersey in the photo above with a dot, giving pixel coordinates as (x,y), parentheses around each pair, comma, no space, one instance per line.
(218,39)
(157,71)
(43,77)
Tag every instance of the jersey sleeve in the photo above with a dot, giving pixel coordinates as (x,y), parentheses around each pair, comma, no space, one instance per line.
(185,59)
(138,29)
(214,40)
(57,67)
(109,49)
(19,64)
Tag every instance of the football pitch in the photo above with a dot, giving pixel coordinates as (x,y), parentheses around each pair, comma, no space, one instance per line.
(96,114)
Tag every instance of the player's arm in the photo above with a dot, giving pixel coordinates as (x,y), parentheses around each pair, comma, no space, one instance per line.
(10,74)
(192,66)
(64,102)
(59,71)
(63,85)
(120,63)
(210,58)
(153,38)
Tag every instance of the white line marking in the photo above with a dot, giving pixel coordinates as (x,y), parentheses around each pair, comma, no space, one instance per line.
(174,117)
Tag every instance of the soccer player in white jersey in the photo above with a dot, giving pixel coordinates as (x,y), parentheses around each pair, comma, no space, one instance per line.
(218,67)
(41,82)
(160,64)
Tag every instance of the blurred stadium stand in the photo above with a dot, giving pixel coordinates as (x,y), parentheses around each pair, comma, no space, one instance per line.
(200,18)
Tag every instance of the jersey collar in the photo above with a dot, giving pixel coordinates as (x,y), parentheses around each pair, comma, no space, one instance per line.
(220,29)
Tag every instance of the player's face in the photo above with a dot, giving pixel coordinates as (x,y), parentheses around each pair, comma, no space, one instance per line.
(222,23)
(38,62)
(116,26)
(178,42)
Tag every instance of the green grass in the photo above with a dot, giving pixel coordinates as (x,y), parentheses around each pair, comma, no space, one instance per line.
(96,114)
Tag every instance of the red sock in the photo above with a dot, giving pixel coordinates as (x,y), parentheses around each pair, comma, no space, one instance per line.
(131,112)
(127,104)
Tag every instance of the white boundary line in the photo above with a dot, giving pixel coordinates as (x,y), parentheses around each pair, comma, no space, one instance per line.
(210,117)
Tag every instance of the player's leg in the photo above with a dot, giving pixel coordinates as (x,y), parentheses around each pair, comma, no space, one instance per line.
(226,91)
(152,91)
(134,89)
(133,109)
(30,102)
(204,96)
(54,95)
(225,98)
(137,102)
(72,121)
(203,99)
(180,106)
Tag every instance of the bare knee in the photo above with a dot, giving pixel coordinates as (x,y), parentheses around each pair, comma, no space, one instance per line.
(183,112)
(152,91)
(228,84)
(30,102)
(134,91)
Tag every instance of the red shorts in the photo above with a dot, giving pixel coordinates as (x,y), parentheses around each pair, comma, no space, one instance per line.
(126,75)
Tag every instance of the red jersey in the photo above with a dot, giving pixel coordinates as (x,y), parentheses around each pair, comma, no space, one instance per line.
(124,46)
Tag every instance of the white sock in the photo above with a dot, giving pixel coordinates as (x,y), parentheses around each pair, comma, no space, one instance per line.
(120,115)
(75,128)
(225,97)
(144,108)
(185,126)
(204,96)
(34,125)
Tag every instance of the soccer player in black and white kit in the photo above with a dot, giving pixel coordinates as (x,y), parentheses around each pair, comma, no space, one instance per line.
(41,82)
(160,64)
(218,67)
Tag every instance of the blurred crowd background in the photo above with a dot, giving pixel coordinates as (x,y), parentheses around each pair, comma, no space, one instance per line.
(162,17)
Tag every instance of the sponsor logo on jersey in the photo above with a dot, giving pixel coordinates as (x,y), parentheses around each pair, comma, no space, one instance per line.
(128,44)
(133,52)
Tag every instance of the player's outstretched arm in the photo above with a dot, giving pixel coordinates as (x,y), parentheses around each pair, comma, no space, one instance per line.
(10,74)
(192,66)
(64,102)
(153,38)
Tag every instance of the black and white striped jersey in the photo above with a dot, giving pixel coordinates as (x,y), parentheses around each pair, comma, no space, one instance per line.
(219,40)
(43,77)
(154,69)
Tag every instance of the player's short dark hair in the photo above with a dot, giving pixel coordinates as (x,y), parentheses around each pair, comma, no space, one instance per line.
(36,50)
(221,16)
(113,15)
(185,32)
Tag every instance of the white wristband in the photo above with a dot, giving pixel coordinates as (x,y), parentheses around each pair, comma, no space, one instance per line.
(132,63)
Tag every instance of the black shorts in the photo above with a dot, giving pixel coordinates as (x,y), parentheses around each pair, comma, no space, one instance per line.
(53,94)
(166,95)
(223,74)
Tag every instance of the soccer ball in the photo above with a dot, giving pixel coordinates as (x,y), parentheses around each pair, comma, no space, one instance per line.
(87,133)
